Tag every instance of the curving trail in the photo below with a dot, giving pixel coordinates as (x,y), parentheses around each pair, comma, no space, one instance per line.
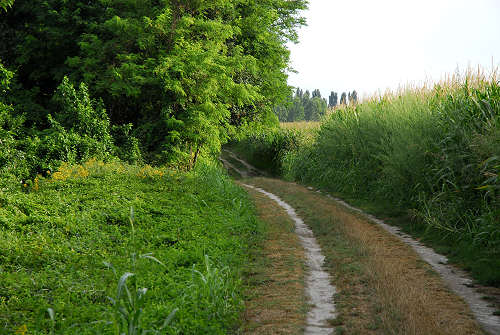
(318,288)
(382,283)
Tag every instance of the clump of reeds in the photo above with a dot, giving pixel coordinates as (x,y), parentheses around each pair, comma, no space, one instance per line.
(432,150)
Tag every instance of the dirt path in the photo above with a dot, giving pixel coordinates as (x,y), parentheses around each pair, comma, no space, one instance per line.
(275,302)
(384,286)
(318,286)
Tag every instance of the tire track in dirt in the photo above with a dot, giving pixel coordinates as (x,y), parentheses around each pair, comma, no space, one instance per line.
(318,288)
(455,279)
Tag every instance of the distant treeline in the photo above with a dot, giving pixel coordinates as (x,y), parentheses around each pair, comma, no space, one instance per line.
(304,106)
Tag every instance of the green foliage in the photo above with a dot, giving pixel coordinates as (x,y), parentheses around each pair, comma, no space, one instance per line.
(190,71)
(79,130)
(55,236)
(12,159)
(76,112)
(129,305)
(4,4)
(37,38)
(433,154)
(213,288)
(266,147)
(127,146)
(302,107)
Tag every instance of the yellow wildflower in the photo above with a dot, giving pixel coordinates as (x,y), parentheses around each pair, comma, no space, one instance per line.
(21,330)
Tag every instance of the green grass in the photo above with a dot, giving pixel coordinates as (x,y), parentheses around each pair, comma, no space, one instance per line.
(265,148)
(57,234)
(432,155)
(429,158)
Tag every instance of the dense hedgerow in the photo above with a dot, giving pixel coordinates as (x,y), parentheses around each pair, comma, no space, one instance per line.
(435,153)
(57,233)
(184,74)
(265,148)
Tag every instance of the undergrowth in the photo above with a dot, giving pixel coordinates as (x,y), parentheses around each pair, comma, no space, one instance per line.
(265,148)
(57,232)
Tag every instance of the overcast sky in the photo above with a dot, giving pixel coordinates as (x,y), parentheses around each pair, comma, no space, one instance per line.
(372,45)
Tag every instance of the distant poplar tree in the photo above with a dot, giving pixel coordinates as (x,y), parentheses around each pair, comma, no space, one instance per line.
(332,99)
(343,99)
(353,98)
(299,93)
(302,106)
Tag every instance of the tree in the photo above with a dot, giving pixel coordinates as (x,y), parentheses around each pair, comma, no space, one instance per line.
(185,73)
(343,99)
(302,107)
(318,110)
(332,100)
(353,97)
(299,93)
(4,4)
(296,112)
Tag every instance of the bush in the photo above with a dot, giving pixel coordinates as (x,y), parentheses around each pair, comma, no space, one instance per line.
(126,145)
(12,159)
(265,148)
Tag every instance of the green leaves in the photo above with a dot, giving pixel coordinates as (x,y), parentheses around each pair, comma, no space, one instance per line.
(53,241)
(4,4)
(212,64)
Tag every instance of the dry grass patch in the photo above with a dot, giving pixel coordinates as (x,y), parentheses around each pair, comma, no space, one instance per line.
(301,125)
(276,303)
(384,287)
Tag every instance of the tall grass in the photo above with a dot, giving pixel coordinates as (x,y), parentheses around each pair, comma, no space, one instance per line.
(265,148)
(432,151)
(301,125)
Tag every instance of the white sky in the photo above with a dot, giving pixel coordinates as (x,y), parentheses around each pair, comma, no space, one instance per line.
(372,45)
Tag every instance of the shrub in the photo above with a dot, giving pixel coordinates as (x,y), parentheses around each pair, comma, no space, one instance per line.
(265,148)
(126,145)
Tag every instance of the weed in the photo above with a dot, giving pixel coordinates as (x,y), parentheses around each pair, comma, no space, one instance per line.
(128,304)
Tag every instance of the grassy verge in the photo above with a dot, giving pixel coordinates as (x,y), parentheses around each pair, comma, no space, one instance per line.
(383,287)
(308,127)
(56,233)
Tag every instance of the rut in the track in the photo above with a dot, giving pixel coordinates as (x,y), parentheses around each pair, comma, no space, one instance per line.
(453,279)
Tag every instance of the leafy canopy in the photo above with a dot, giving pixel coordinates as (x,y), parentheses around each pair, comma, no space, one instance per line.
(184,73)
